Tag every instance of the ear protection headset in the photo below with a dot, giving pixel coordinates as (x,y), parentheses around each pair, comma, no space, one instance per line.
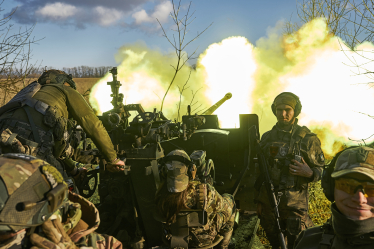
(327,182)
(297,107)
(190,165)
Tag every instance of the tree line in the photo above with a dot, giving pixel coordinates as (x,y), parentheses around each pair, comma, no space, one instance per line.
(76,72)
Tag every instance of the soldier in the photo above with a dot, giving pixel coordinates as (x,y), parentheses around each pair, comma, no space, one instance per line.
(349,181)
(295,158)
(35,122)
(38,211)
(182,192)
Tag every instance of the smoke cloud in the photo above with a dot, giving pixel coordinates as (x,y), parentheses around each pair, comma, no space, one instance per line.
(311,63)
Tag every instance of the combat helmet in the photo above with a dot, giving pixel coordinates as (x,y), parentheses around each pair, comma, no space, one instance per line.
(31,190)
(287,98)
(54,76)
(179,168)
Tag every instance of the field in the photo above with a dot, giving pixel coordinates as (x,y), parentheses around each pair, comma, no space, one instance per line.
(319,206)
(83,84)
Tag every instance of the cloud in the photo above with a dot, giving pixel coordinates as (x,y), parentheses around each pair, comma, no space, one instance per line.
(108,16)
(161,12)
(129,13)
(57,10)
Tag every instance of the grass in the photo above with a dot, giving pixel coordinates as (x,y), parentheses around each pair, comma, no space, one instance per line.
(83,84)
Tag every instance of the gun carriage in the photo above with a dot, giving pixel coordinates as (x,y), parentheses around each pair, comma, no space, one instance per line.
(127,199)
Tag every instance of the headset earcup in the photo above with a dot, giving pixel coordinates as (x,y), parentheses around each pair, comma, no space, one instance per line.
(327,184)
(297,107)
(273,109)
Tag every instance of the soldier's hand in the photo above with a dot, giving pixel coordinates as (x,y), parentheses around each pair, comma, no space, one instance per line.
(117,167)
(55,237)
(300,169)
(82,172)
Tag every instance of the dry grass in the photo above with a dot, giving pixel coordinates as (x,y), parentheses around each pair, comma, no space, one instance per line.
(83,84)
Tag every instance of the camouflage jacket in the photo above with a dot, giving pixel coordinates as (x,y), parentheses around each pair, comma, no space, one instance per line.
(69,104)
(294,187)
(220,210)
(83,234)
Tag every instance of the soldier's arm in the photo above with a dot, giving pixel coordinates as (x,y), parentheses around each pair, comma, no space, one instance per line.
(217,203)
(313,156)
(84,115)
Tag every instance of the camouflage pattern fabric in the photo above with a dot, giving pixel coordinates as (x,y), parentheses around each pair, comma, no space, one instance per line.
(56,77)
(355,160)
(341,231)
(15,171)
(293,204)
(68,103)
(221,215)
(86,236)
(27,179)
(286,99)
(16,146)
(177,175)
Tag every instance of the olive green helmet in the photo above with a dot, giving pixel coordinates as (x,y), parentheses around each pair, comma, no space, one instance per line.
(31,190)
(54,76)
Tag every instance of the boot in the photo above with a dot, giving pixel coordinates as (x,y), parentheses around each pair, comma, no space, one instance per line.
(224,244)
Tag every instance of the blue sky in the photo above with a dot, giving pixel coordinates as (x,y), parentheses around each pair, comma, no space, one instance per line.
(89,32)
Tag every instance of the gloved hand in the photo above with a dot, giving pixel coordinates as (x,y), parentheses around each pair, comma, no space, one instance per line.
(80,174)
(55,237)
(117,166)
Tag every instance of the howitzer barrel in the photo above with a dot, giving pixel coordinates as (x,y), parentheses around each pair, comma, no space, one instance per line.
(214,107)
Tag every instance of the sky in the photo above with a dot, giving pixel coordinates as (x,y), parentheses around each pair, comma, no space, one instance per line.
(90,32)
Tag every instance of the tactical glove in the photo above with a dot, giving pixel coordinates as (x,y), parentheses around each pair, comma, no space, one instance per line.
(55,237)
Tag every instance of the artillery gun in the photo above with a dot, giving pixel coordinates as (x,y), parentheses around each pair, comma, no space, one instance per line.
(126,199)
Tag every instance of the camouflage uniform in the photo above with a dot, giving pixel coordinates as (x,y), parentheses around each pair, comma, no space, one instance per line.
(339,231)
(220,209)
(293,203)
(25,184)
(16,128)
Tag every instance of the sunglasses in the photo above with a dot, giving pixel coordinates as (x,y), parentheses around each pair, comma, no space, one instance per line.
(350,186)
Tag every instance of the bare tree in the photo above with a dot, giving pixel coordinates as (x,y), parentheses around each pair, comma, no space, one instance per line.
(15,56)
(180,42)
(352,20)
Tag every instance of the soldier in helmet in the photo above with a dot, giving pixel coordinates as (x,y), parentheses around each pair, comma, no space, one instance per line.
(348,182)
(295,159)
(181,192)
(35,122)
(38,211)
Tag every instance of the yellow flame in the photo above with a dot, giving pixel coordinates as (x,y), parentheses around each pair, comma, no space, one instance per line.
(309,63)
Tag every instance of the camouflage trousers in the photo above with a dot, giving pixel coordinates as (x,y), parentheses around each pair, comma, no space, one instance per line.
(291,221)
(221,223)
(11,142)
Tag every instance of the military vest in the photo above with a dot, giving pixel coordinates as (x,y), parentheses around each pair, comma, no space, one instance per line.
(281,147)
(58,125)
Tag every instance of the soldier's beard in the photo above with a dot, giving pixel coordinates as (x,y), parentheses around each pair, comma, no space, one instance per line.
(285,125)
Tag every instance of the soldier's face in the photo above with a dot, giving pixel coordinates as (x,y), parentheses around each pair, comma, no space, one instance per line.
(355,206)
(285,114)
